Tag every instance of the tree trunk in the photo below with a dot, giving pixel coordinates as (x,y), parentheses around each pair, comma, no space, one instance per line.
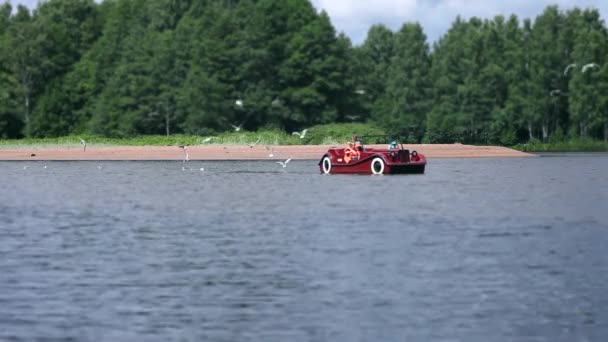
(167,123)
(27,109)
(545,132)
(605,131)
(530,133)
(27,114)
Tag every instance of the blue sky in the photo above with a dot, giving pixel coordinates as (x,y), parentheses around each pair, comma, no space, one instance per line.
(354,17)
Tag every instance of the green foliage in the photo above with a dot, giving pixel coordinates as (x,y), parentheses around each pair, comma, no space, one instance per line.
(571,145)
(322,134)
(339,133)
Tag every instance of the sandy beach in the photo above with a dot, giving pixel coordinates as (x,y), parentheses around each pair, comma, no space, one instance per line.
(238,152)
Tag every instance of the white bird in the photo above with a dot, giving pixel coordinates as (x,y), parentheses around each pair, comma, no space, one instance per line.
(186,156)
(276,102)
(238,128)
(239,103)
(360,91)
(555,91)
(208,139)
(255,143)
(300,134)
(270,151)
(590,65)
(84,143)
(284,164)
(99,166)
(202,169)
(45,167)
(352,117)
(570,66)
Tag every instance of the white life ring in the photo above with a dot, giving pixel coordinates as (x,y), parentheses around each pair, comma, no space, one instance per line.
(326,165)
(376,161)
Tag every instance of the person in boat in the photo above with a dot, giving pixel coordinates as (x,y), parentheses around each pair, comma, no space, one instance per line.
(352,151)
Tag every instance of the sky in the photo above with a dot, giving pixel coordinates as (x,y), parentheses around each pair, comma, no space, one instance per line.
(354,17)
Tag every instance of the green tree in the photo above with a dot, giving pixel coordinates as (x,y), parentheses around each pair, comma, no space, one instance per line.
(10,122)
(314,74)
(372,61)
(547,62)
(587,80)
(407,97)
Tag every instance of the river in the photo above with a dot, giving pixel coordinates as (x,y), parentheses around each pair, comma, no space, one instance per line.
(473,250)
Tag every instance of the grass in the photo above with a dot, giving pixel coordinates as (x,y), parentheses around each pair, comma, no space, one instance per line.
(571,145)
(322,134)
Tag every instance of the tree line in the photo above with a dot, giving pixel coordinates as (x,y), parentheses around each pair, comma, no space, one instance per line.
(135,67)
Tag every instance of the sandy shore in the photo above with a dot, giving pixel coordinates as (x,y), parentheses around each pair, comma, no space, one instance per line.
(233,152)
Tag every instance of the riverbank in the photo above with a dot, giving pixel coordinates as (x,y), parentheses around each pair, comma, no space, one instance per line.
(236,152)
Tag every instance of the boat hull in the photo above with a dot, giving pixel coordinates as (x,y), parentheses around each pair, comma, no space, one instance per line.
(373,162)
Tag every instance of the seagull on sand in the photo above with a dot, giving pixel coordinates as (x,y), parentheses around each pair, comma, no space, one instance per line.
(186,156)
(270,151)
(570,66)
(302,134)
(255,143)
(590,65)
(284,164)
(84,144)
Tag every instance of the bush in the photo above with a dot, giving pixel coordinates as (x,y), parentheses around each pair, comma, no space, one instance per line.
(323,134)
(570,145)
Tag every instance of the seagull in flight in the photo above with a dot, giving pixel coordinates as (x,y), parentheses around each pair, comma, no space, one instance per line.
(570,66)
(208,139)
(84,144)
(301,135)
(555,91)
(360,91)
(284,164)
(352,117)
(590,65)
(255,143)
(239,103)
(238,128)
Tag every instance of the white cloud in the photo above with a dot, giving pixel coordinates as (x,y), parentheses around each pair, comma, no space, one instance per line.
(28,3)
(354,17)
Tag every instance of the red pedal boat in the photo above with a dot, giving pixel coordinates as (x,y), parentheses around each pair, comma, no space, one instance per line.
(354,158)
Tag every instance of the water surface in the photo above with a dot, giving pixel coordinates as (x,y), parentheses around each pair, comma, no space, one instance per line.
(474,250)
